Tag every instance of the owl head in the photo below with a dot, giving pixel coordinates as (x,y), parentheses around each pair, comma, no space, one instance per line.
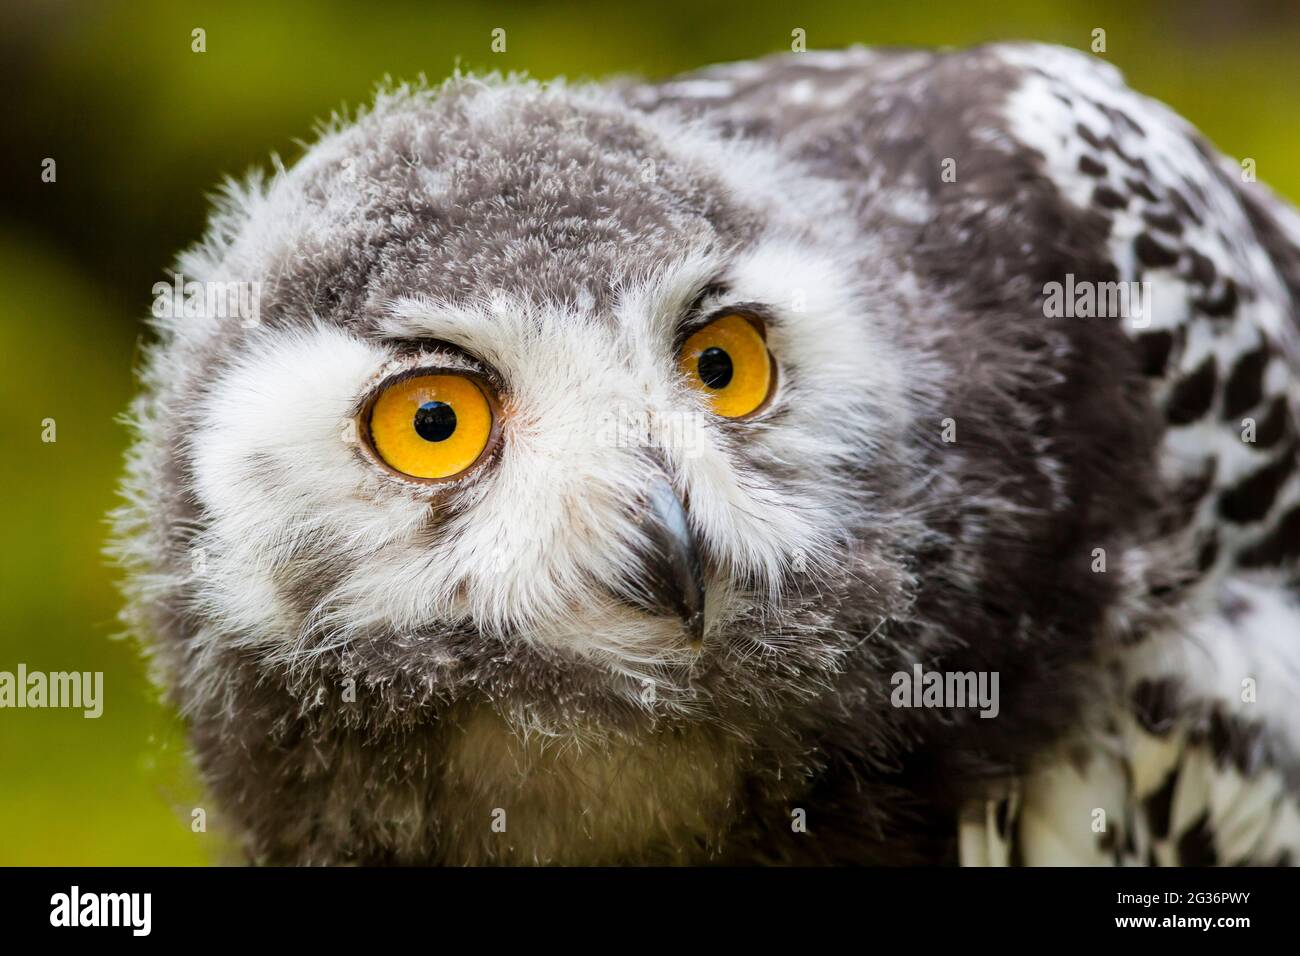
(564,458)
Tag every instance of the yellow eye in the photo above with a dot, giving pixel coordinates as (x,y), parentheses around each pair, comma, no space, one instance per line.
(431,426)
(729,362)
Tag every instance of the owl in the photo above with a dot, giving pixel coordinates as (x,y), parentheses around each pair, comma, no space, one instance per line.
(870,456)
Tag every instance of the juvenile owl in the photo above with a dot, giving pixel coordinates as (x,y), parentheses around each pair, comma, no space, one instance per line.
(869,456)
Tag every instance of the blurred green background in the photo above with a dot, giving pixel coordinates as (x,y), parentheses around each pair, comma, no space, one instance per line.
(142,128)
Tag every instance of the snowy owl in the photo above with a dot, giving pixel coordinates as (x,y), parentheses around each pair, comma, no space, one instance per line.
(863,456)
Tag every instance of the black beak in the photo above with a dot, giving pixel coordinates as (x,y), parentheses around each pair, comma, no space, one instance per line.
(671,580)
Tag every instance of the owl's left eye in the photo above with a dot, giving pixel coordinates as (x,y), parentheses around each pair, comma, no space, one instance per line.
(431,426)
(728,361)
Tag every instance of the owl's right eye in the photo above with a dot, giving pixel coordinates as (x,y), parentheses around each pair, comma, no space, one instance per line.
(431,426)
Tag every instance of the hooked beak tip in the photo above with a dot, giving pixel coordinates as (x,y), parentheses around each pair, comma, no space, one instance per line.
(672,574)
(695,631)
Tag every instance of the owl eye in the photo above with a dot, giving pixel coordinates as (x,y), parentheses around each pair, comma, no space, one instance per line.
(728,361)
(431,426)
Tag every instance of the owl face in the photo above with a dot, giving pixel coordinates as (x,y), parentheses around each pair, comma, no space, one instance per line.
(533,375)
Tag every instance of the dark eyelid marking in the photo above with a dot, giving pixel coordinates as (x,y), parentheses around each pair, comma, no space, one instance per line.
(434,351)
(711,289)
(422,356)
(408,348)
(694,316)
(760,315)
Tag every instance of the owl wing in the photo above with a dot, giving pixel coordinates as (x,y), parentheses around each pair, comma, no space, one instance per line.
(1180,779)
(1012,162)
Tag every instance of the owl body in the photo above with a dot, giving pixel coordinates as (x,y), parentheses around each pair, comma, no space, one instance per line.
(650,624)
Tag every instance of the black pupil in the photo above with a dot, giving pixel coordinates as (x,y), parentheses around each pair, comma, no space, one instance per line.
(715,368)
(435,421)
